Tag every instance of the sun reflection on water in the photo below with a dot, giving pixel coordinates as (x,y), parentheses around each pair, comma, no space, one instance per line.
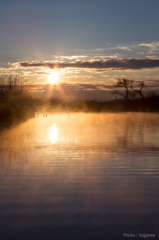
(53,133)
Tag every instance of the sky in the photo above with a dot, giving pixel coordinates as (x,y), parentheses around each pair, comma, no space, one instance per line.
(89,44)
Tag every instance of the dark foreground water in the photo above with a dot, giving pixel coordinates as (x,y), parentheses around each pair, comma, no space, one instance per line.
(90,176)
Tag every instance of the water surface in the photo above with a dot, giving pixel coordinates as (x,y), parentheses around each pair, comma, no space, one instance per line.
(90,176)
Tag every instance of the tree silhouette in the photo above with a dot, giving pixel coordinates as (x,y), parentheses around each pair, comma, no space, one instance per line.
(125,85)
(139,91)
(128,91)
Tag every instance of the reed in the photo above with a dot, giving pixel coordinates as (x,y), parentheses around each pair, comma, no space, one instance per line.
(16,104)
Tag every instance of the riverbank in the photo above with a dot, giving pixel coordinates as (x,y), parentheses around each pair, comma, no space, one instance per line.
(18,107)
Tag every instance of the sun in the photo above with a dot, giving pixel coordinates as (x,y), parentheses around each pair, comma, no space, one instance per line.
(53,78)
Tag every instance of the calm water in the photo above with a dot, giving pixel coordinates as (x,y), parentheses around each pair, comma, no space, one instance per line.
(90,176)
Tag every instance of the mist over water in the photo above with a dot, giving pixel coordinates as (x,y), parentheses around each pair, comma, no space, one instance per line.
(87,176)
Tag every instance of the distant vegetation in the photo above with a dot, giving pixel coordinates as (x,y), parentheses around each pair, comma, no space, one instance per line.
(17,104)
(132,99)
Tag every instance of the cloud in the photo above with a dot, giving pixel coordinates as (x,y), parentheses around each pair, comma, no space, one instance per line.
(73,90)
(121,64)
(82,90)
(148,44)
(153,57)
(106,56)
(72,57)
(154,46)
(123,48)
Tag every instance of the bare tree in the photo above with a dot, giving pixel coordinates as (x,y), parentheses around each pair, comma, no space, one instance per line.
(128,91)
(125,85)
(139,91)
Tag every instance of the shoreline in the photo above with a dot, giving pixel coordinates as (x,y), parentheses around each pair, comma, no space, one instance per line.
(17,109)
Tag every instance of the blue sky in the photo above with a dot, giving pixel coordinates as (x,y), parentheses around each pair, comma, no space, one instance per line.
(69,31)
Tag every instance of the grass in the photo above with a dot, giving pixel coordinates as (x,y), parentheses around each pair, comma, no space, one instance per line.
(17,105)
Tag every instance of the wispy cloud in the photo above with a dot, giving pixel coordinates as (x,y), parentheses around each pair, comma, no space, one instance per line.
(122,64)
(71,57)
(106,56)
(123,48)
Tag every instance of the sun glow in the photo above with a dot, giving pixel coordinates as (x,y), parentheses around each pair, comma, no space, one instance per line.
(53,78)
(53,133)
